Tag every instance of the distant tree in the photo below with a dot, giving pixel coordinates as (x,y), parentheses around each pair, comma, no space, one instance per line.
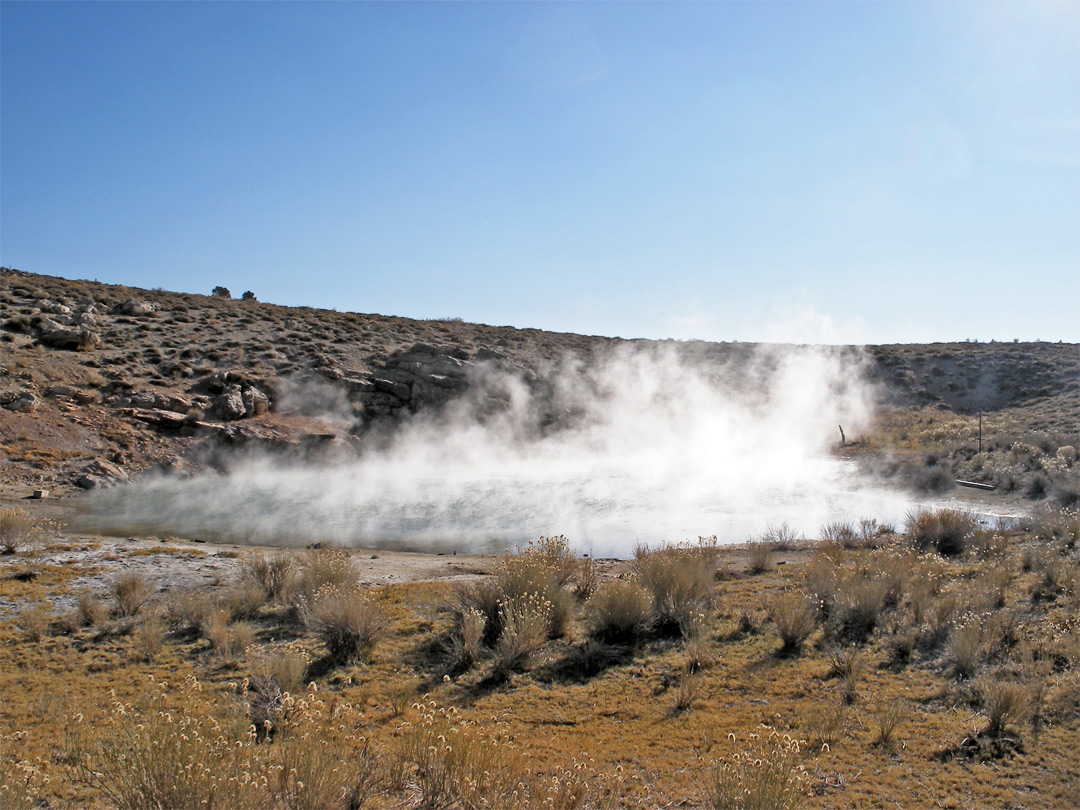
(249,296)
(221,292)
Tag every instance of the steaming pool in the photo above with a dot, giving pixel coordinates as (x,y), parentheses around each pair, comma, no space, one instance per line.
(604,515)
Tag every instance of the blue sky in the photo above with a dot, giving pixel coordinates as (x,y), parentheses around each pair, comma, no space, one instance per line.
(825,172)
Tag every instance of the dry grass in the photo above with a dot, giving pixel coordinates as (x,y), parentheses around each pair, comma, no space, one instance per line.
(766,775)
(648,717)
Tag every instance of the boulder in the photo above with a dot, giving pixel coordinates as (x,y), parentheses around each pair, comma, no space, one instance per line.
(256,403)
(68,391)
(74,338)
(162,402)
(19,402)
(133,307)
(229,404)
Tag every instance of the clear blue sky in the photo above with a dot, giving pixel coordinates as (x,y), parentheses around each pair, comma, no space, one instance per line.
(840,172)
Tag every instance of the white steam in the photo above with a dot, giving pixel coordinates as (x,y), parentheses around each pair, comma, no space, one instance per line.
(652,449)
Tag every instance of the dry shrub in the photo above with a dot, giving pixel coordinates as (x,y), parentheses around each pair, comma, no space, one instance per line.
(273,678)
(524,621)
(588,579)
(841,533)
(888,716)
(285,669)
(857,605)
(1005,703)
(688,690)
(325,567)
(992,585)
(945,531)
(466,641)
(822,722)
(89,609)
(544,568)
(766,775)
(150,637)
(130,591)
(193,609)
(759,555)
(346,619)
(21,531)
(820,575)
(243,601)
(143,757)
(21,782)
(274,573)
(794,617)
(34,622)
(679,580)
(453,766)
(576,787)
(151,756)
(483,598)
(781,538)
(847,664)
(618,612)
(228,641)
(965,649)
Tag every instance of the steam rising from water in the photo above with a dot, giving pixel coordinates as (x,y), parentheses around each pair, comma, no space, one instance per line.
(659,450)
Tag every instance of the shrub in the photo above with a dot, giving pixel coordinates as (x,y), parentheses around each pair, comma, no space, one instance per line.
(964,650)
(144,757)
(679,580)
(89,610)
(194,609)
(887,717)
(841,533)
(465,646)
(228,641)
(150,637)
(1005,703)
(822,721)
(274,573)
(688,690)
(846,663)
(221,292)
(945,531)
(759,555)
(795,618)
(766,776)
(451,766)
(524,622)
(325,567)
(618,612)
(34,622)
(346,620)
(544,568)
(21,531)
(131,591)
(781,538)
(244,601)
(857,605)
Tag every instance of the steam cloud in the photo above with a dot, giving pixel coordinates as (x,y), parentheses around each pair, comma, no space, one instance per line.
(658,449)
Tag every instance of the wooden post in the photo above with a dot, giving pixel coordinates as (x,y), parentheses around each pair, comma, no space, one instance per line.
(980,432)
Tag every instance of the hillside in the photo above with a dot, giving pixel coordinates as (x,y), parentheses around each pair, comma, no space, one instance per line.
(100,382)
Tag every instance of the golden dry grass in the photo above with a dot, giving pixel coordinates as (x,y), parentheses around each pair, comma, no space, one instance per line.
(628,724)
